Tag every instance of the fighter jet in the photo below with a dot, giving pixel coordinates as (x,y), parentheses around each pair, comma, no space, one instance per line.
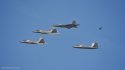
(93,46)
(52,31)
(68,26)
(40,41)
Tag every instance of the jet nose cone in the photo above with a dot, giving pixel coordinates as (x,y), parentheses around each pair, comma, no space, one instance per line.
(74,46)
(21,41)
(54,25)
(34,31)
(78,24)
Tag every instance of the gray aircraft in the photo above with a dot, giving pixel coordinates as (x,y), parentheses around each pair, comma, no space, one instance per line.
(52,31)
(40,41)
(93,46)
(68,26)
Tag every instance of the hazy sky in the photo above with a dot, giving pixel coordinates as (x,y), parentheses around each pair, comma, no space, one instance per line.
(18,18)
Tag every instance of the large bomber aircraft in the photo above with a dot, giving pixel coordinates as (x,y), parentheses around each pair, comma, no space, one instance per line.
(68,26)
(93,46)
(40,41)
(52,31)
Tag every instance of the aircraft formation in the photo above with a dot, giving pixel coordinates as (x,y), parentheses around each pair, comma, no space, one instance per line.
(54,31)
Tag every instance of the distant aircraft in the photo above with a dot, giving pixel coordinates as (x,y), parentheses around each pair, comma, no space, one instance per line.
(93,46)
(40,41)
(53,31)
(100,28)
(68,26)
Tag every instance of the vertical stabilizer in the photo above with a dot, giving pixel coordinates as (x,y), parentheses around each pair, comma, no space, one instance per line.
(94,45)
(73,22)
(54,30)
(41,40)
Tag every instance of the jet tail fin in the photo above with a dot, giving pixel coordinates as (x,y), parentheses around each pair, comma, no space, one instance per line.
(54,30)
(73,22)
(41,40)
(94,45)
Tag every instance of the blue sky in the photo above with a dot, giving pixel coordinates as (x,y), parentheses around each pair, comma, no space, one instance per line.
(18,18)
